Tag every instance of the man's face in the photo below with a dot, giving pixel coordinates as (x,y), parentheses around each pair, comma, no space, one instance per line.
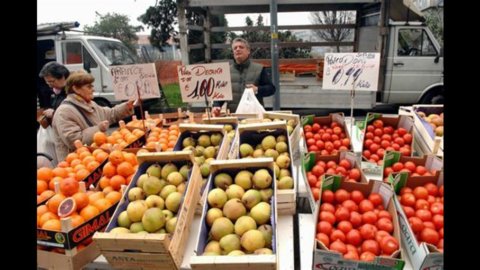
(240,52)
(53,82)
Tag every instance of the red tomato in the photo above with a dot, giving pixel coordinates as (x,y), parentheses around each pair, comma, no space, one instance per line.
(318,170)
(397,166)
(323,238)
(327,207)
(355,219)
(440,190)
(438,221)
(380,235)
(369,217)
(366,154)
(324,227)
(430,236)
(337,235)
(312,180)
(307,128)
(365,206)
(384,214)
(328,196)
(356,196)
(436,208)
(327,216)
(350,205)
(315,127)
(346,142)
(408,199)
(409,211)
(385,224)
(432,189)
(372,246)
(370,128)
(420,192)
(399,141)
(416,224)
(308,135)
(312,148)
(367,256)
(422,204)
(354,174)
(316,193)
(317,137)
(410,166)
(342,213)
(377,123)
(345,163)
(354,237)
(401,131)
(334,124)
(351,255)
(329,146)
(408,138)
(388,130)
(389,245)
(421,170)
(405,190)
(423,214)
(338,246)
(378,132)
(345,226)
(326,137)
(368,231)
(375,198)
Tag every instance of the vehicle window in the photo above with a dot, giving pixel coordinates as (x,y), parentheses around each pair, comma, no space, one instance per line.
(113,53)
(415,42)
(89,59)
(72,52)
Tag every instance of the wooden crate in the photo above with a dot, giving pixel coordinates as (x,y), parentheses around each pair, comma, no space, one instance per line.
(259,131)
(153,251)
(75,260)
(427,141)
(249,262)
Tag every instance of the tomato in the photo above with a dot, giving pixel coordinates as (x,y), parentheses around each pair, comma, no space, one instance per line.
(355,219)
(405,190)
(342,213)
(408,138)
(323,238)
(328,196)
(408,199)
(327,216)
(365,206)
(421,170)
(370,128)
(377,123)
(351,255)
(368,231)
(378,132)
(312,148)
(438,221)
(374,158)
(354,174)
(356,196)
(341,170)
(422,204)
(318,170)
(326,137)
(385,224)
(307,128)
(388,130)
(350,205)
(338,246)
(374,148)
(312,180)
(337,130)
(316,193)
(369,217)
(324,227)
(315,127)
(345,163)
(317,136)
(440,190)
(399,141)
(401,131)
(375,198)
(372,246)
(345,226)
(380,235)
(389,245)
(327,207)
(366,154)
(384,214)
(423,214)
(416,224)
(337,235)
(334,124)
(430,236)
(410,166)
(354,237)
(367,256)
(329,146)
(409,211)
(397,166)
(436,208)
(346,142)
(432,189)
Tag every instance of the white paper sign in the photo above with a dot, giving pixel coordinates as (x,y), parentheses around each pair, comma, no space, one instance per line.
(127,79)
(200,80)
(351,71)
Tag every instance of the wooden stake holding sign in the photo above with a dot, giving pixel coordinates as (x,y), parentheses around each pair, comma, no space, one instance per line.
(205,82)
(135,82)
(351,71)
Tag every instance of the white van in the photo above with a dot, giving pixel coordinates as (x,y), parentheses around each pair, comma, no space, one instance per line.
(94,54)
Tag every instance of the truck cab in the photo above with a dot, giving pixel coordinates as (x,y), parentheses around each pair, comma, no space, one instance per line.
(76,51)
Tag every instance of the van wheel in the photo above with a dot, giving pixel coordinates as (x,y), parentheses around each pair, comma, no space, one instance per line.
(102,102)
(433,97)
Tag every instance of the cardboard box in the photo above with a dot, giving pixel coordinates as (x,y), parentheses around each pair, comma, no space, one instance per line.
(310,159)
(430,162)
(253,134)
(153,251)
(422,256)
(326,259)
(52,260)
(251,262)
(428,142)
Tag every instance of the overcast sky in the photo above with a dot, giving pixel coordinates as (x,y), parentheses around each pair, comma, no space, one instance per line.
(83,11)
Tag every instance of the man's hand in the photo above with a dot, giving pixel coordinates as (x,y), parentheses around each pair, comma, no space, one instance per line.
(253,86)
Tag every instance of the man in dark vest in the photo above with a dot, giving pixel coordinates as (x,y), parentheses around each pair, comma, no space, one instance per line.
(245,74)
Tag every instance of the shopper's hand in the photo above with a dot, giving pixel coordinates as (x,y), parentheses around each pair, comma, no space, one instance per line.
(136,103)
(253,86)
(103,126)
(48,113)
(216,111)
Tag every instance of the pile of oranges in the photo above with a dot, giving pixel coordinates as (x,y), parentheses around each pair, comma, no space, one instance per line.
(165,137)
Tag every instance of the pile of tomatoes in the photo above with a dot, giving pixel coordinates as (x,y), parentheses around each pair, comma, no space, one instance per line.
(407,166)
(355,225)
(326,139)
(423,206)
(380,138)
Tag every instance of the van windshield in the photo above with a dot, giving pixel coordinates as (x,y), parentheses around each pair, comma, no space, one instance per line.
(113,53)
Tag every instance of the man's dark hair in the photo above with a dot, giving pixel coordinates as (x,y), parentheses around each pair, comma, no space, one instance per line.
(54,69)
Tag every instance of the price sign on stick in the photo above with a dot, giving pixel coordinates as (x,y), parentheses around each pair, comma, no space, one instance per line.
(129,81)
(205,82)
(351,71)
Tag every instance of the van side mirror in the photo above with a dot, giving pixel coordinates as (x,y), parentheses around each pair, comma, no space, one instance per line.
(437,58)
(86,66)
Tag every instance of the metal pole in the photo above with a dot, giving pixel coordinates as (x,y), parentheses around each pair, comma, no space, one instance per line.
(182,26)
(274,50)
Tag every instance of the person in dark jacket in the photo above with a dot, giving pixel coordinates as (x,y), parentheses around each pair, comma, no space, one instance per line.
(55,76)
(245,74)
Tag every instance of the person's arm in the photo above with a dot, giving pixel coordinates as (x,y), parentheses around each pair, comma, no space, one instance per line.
(265,85)
(117,113)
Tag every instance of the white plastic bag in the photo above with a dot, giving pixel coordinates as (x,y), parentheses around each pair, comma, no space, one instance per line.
(46,144)
(250,104)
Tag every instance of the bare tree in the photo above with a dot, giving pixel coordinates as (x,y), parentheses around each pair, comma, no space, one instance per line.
(333,18)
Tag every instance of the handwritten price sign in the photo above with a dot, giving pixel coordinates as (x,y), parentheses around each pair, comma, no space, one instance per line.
(127,79)
(347,71)
(210,80)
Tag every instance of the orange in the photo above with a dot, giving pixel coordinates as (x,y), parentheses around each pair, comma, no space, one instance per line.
(99,138)
(101,156)
(63,164)
(58,171)
(102,204)
(46,217)
(104,182)
(84,154)
(52,225)
(46,194)
(87,160)
(76,220)
(96,152)
(75,162)
(69,186)
(42,209)
(89,212)
(92,165)
(113,197)
(125,169)
(117,181)
(81,200)
(130,158)
(45,174)
(41,186)
(116,157)
(82,174)
(95,196)
(109,169)
(70,157)
(129,178)
(107,189)
(53,202)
